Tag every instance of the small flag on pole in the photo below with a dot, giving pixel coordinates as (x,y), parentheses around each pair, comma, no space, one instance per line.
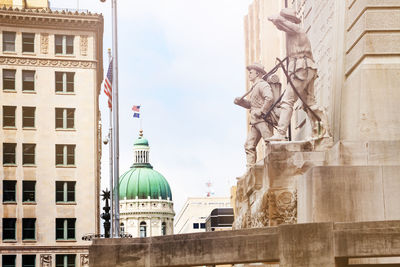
(108,84)
(136,111)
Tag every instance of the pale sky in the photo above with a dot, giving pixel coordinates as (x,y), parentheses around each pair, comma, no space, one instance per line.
(183,62)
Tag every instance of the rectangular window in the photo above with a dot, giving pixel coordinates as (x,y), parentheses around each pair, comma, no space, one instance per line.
(9,153)
(28,154)
(28,42)
(65,118)
(28,260)
(65,81)
(9,116)
(9,189)
(202,225)
(65,155)
(8,260)
(28,117)
(65,260)
(195,226)
(28,191)
(28,228)
(28,80)
(9,41)
(65,191)
(9,228)
(64,44)
(65,229)
(9,79)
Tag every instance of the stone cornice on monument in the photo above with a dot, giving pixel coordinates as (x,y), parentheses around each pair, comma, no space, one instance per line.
(46,62)
(46,18)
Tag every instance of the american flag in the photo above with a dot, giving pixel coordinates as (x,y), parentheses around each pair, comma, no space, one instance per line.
(108,84)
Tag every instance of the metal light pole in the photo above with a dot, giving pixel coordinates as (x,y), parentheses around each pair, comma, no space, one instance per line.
(115,132)
(110,148)
(115,137)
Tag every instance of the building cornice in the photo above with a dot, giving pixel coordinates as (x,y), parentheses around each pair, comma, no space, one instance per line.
(140,213)
(27,249)
(46,18)
(47,62)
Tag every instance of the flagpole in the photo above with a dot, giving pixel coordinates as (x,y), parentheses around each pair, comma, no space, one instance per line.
(115,137)
(111,161)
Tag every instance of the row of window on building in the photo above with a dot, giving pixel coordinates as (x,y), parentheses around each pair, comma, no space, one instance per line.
(65,191)
(64,81)
(29,260)
(64,229)
(64,117)
(143,229)
(63,44)
(199,225)
(65,154)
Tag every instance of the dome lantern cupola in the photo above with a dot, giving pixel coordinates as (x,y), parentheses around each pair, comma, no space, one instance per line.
(141,152)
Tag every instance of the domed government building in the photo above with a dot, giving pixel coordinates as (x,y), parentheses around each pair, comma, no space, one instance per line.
(146,207)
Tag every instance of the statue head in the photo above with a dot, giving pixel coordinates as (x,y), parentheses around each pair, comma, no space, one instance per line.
(255,70)
(290,14)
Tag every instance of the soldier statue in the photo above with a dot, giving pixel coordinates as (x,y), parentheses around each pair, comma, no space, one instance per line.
(259,102)
(302,72)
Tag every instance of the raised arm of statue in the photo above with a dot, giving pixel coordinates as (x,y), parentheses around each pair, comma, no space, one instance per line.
(242,102)
(285,25)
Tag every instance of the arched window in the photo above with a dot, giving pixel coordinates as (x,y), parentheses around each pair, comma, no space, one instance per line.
(163,228)
(143,229)
(122,228)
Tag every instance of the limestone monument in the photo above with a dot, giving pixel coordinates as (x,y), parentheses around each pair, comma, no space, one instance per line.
(302,72)
(261,99)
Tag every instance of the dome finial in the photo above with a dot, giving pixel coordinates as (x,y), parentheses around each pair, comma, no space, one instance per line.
(141,133)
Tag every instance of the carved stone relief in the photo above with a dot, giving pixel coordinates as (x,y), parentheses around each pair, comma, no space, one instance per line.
(84,260)
(44,43)
(45,260)
(282,206)
(47,62)
(84,44)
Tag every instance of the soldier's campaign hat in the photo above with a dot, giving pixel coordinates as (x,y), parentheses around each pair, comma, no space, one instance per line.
(290,14)
(256,66)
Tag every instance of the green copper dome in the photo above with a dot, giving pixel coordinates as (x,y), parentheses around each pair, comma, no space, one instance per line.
(143,182)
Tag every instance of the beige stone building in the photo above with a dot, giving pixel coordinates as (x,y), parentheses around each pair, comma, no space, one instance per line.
(145,197)
(51,73)
(192,217)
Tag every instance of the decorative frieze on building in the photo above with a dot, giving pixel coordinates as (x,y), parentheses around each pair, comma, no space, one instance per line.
(44,43)
(84,44)
(84,260)
(45,260)
(38,62)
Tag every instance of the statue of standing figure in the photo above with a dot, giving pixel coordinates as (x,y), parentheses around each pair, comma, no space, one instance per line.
(260,100)
(302,71)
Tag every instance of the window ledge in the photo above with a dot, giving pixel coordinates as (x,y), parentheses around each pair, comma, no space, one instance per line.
(29,165)
(65,93)
(65,240)
(9,128)
(29,128)
(9,91)
(29,240)
(28,53)
(10,52)
(66,203)
(9,165)
(64,55)
(29,92)
(66,166)
(9,241)
(29,203)
(9,202)
(65,129)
